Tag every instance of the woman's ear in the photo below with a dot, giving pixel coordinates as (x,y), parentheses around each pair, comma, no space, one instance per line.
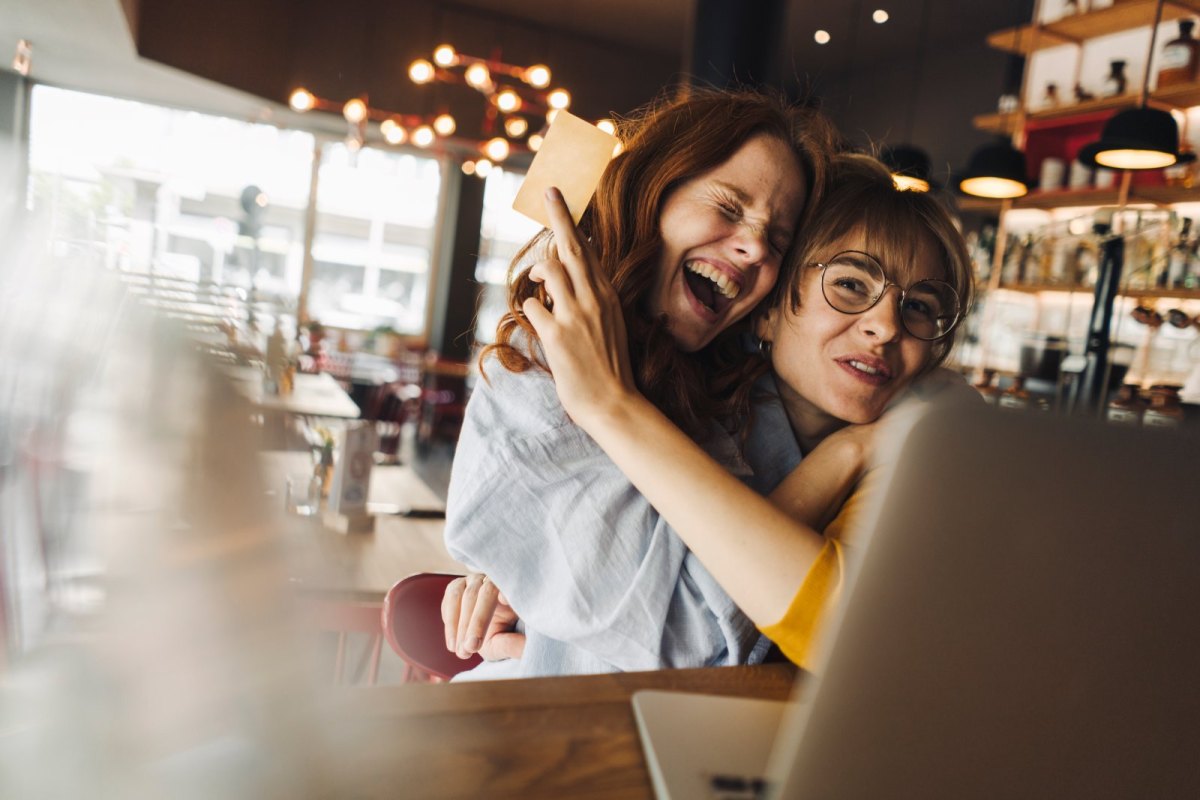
(764,325)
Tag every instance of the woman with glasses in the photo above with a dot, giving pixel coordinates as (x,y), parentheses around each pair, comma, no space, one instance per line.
(874,294)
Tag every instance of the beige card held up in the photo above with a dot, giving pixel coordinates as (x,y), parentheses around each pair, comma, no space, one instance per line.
(572,157)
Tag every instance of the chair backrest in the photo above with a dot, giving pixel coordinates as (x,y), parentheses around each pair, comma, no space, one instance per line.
(412,623)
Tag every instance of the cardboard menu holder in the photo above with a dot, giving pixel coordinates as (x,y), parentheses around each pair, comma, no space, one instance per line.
(346,511)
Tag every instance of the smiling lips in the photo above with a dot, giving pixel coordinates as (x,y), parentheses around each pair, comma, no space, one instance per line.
(867,369)
(712,286)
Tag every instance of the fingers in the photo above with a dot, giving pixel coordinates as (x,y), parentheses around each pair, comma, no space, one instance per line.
(481,618)
(554,278)
(466,609)
(503,645)
(572,251)
(451,605)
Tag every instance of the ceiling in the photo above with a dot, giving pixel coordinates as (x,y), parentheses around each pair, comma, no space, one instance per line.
(87,44)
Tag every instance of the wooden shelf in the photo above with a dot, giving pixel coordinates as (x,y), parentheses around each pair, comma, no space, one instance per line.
(1182,96)
(1164,195)
(1140,294)
(1122,15)
(1068,198)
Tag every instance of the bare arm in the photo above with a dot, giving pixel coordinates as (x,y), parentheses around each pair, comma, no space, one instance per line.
(814,492)
(756,551)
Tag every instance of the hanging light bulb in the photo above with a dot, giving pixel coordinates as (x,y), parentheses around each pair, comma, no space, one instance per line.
(355,110)
(537,76)
(302,100)
(444,55)
(483,167)
(508,101)
(393,132)
(468,168)
(516,126)
(608,126)
(445,125)
(420,71)
(423,136)
(559,98)
(534,142)
(497,149)
(996,171)
(821,37)
(477,75)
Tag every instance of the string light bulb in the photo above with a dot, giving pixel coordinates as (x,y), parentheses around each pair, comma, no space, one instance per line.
(608,126)
(355,110)
(537,76)
(420,71)
(497,149)
(468,168)
(477,75)
(559,98)
(550,115)
(516,127)
(444,56)
(423,136)
(445,125)
(483,167)
(393,132)
(821,37)
(302,100)
(534,142)
(508,101)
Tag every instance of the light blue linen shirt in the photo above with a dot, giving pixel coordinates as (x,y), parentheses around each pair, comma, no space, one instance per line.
(599,579)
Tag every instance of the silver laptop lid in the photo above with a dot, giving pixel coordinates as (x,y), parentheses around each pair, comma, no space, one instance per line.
(1026,622)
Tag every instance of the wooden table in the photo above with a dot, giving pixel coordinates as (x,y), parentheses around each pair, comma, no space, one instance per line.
(361,564)
(312,395)
(550,737)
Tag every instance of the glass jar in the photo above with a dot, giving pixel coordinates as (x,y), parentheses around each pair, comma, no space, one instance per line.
(1127,407)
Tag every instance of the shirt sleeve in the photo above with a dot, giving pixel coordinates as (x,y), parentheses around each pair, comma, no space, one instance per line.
(581,556)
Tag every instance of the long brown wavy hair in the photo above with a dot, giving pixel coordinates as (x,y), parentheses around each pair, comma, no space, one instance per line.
(666,144)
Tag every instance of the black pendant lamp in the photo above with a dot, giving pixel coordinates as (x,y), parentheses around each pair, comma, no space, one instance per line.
(1138,138)
(996,171)
(910,167)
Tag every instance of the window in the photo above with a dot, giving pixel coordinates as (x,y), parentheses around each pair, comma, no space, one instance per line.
(372,246)
(143,188)
(503,232)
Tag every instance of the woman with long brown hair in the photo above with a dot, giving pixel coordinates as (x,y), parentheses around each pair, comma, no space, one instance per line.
(690,225)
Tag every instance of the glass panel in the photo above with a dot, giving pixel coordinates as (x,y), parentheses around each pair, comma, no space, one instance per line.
(502,234)
(159,190)
(372,247)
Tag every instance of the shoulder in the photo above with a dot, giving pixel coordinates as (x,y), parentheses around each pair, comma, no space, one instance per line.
(771,449)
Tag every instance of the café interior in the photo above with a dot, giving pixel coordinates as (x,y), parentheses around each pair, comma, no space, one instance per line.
(252,250)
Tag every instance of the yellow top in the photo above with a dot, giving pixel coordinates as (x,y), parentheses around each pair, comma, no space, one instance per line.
(798,634)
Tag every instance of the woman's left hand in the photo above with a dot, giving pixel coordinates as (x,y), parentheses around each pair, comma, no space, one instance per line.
(583,331)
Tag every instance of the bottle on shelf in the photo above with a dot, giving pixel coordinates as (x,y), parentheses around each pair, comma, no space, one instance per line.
(1082,95)
(1116,82)
(1015,397)
(1127,407)
(1086,263)
(1174,276)
(1180,58)
(1051,98)
(1165,409)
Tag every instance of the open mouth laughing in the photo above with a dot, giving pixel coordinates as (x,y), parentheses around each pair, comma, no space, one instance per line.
(712,287)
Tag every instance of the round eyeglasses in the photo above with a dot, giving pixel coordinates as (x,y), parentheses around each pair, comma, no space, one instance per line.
(853,282)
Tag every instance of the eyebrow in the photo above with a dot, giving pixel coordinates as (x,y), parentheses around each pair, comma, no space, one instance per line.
(783,230)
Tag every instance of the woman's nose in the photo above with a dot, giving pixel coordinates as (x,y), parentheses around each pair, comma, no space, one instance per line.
(750,242)
(882,320)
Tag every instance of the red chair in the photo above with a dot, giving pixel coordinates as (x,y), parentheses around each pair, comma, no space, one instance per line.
(412,623)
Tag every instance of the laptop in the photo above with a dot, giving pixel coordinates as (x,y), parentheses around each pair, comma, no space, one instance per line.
(1024,622)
